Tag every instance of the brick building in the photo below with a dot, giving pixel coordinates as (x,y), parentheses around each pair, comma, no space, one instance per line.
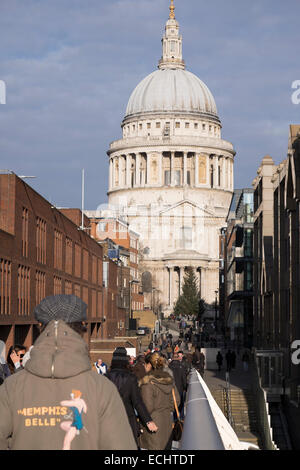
(118,231)
(119,257)
(43,252)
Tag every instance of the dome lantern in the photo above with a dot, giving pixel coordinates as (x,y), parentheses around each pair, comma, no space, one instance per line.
(171,44)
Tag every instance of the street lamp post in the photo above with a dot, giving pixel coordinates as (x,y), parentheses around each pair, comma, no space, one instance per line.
(216,305)
(153,300)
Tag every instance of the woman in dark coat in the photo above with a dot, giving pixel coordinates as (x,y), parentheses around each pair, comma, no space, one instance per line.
(127,384)
(219,360)
(156,391)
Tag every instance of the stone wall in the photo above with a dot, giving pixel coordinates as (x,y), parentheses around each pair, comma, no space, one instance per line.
(104,348)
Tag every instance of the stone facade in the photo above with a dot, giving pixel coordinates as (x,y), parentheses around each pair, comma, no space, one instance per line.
(171,175)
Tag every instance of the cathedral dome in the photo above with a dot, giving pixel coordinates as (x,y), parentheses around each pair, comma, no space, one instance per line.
(170,90)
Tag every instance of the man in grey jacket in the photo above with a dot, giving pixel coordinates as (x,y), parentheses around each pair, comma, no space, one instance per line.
(58,401)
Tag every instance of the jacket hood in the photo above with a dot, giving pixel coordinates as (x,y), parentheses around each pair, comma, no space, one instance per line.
(160,379)
(59,352)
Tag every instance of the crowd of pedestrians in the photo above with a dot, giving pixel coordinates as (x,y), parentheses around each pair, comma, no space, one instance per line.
(56,401)
(230,358)
(152,386)
(53,397)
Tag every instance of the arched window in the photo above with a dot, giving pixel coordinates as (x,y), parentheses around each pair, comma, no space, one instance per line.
(147,281)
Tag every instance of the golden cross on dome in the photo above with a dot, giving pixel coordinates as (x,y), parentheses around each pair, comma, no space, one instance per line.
(172,8)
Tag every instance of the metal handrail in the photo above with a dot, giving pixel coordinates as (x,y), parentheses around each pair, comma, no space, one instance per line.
(200,431)
(205,425)
(227,391)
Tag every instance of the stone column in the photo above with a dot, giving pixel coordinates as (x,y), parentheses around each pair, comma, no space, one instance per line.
(172,169)
(128,170)
(170,285)
(160,170)
(200,286)
(137,169)
(177,269)
(175,288)
(120,171)
(114,171)
(181,276)
(184,168)
(216,171)
(124,170)
(207,170)
(230,172)
(110,173)
(147,177)
(203,280)
(223,173)
(196,157)
(227,173)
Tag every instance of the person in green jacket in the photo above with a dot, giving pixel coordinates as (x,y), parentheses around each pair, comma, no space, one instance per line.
(58,402)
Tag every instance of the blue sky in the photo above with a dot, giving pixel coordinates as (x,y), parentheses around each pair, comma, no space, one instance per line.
(71,65)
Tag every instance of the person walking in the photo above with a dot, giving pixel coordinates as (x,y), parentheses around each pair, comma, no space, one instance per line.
(156,391)
(138,368)
(180,376)
(127,384)
(169,351)
(184,362)
(233,359)
(228,358)
(219,360)
(202,363)
(199,360)
(246,360)
(57,401)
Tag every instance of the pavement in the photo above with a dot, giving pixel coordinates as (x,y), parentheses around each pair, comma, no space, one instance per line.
(239,379)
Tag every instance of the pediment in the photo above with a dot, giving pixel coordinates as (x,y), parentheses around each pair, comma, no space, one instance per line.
(186,206)
(184,255)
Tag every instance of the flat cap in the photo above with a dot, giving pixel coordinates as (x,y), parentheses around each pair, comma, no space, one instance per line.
(68,308)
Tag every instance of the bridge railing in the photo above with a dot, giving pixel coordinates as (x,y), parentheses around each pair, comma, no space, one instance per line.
(205,426)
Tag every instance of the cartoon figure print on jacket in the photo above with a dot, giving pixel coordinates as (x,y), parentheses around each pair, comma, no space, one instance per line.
(73,427)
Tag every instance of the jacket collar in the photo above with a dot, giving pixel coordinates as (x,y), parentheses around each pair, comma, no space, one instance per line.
(59,352)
